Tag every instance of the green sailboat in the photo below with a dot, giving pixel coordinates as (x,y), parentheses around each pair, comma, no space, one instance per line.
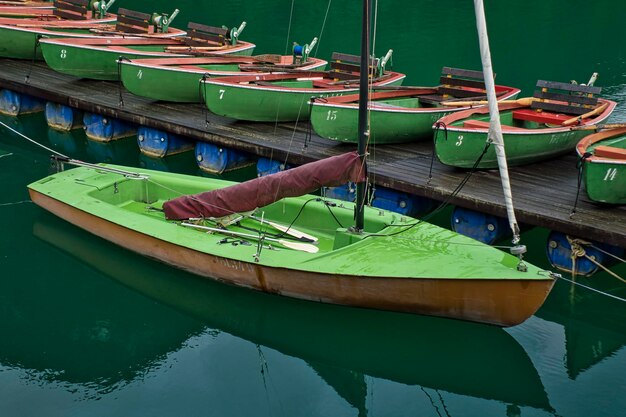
(603,160)
(284,97)
(268,234)
(534,129)
(97,58)
(396,263)
(178,79)
(405,114)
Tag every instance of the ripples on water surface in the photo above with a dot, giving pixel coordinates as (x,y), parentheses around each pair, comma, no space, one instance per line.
(89,329)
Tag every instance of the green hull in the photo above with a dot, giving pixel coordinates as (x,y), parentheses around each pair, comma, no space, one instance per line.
(258,104)
(100,62)
(92,63)
(159,83)
(413,274)
(605,182)
(21,43)
(525,142)
(341,124)
(605,178)
(391,121)
(172,83)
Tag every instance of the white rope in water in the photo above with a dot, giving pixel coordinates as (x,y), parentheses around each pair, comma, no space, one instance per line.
(559,276)
(32,141)
(6,154)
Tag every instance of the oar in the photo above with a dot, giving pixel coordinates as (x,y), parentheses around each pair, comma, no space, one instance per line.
(586,115)
(304,247)
(600,127)
(288,230)
(524,101)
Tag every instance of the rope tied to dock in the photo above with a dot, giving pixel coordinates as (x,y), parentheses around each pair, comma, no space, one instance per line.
(119,79)
(579,164)
(578,251)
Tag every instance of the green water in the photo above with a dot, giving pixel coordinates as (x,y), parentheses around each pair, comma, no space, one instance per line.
(89,329)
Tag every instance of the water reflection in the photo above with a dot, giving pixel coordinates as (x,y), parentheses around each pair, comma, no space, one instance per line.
(594,324)
(344,346)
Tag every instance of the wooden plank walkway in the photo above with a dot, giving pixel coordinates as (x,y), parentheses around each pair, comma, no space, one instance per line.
(544,193)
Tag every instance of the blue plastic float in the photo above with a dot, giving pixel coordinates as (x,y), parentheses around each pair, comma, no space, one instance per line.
(217,160)
(559,249)
(483,227)
(63,118)
(14,104)
(159,144)
(266,166)
(105,129)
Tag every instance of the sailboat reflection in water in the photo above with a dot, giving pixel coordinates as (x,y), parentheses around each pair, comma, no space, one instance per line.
(344,346)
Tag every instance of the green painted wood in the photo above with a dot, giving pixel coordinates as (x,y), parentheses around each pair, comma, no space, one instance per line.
(392,120)
(274,98)
(462,138)
(173,82)
(604,176)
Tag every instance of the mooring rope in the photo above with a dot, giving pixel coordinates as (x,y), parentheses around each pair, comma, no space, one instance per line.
(577,250)
(33,141)
(579,164)
(615,297)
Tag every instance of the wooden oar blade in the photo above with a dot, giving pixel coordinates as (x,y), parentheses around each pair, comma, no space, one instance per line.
(304,247)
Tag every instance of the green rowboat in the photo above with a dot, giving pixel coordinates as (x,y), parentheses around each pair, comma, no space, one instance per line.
(284,98)
(396,116)
(529,136)
(603,157)
(98,58)
(533,129)
(18,37)
(397,263)
(399,115)
(178,79)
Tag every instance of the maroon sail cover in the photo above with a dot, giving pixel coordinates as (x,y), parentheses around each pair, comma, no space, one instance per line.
(259,192)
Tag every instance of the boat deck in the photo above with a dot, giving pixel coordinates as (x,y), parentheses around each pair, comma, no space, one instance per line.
(543,193)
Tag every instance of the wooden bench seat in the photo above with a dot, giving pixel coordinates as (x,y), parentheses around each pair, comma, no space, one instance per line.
(461,83)
(348,67)
(540,117)
(480,124)
(198,34)
(130,21)
(557,97)
(73,9)
(611,152)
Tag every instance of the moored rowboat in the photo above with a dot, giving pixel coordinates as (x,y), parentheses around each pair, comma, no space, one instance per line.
(603,159)
(284,97)
(18,37)
(178,79)
(97,58)
(403,115)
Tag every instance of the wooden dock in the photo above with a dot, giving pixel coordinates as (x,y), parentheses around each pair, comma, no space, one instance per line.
(543,193)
